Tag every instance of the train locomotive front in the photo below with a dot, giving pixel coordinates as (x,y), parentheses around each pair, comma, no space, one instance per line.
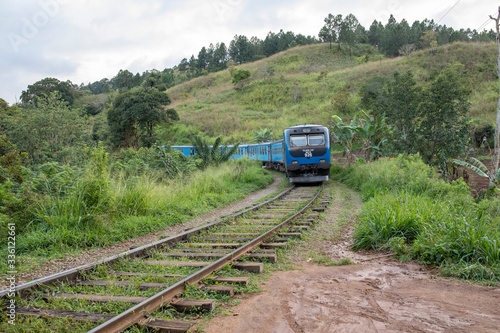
(307,153)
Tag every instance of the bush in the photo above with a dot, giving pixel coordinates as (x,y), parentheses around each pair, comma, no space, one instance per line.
(240,75)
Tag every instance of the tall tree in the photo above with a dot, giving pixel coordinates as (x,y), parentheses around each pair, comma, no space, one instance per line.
(44,131)
(429,39)
(399,102)
(331,30)
(202,59)
(349,31)
(496,154)
(431,120)
(443,131)
(270,44)
(240,49)
(219,59)
(134,115)
(44,88)
(375,33)
(124,80)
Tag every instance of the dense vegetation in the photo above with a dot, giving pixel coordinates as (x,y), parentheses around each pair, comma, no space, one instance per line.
(60,208)
(411,212)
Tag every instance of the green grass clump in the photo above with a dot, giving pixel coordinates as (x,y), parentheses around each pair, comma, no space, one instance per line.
(417,216)
(393,215)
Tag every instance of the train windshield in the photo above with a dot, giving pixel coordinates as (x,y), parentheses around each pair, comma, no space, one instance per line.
(316,139)
(298,140)
(307,140)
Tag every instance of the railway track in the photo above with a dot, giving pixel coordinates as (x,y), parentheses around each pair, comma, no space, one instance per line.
(133,289)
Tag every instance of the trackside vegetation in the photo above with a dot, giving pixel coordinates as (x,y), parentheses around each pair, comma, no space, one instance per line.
(59,209)
(410,211)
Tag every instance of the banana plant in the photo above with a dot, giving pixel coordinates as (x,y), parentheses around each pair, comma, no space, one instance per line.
(264,135)
(345,135)
(482,170)
(212,155)
(369,130)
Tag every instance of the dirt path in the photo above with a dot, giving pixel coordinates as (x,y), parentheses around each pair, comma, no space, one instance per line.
(373,295)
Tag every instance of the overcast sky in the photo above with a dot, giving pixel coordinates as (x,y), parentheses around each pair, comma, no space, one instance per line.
(87,40)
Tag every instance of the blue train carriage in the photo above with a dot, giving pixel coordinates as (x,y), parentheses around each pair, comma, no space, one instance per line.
(241,152)
(185,150)
(307,153)
(277,156)
(260,152)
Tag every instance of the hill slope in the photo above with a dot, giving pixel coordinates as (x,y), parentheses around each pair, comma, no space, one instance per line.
(308,84)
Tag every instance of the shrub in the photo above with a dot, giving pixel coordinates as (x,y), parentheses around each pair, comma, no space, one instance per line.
(240,75)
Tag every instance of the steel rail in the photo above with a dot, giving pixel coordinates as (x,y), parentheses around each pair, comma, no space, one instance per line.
(72,274)
(140,311)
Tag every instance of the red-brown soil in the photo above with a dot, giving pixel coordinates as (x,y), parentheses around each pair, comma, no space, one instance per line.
(375,297)
(376,294)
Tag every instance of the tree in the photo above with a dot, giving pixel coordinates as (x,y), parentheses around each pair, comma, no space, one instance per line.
(407,49)
(395,35)
(270,44)
(168,77)
(124,80)
(134,115)
(154,79)
(47,130)
(429,40)
(264,135)
(212,155)
(240,49)
(370,131)
(331,30)
(430,120)
(240,75)
(202,59)
(399,102)
(349,31)
(444,130)
(183,65)
(11,162)
(219,59)
(193,64)
(43,88)
(496,151)
(345,135)
(375,33)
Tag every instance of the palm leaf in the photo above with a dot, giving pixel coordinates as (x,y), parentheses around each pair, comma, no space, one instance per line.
(477,166)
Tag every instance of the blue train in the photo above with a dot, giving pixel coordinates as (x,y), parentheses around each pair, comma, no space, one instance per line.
(303,153)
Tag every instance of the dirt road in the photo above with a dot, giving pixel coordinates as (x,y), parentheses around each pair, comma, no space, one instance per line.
(373,295)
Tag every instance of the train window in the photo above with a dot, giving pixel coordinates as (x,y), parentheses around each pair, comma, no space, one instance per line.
(316,139)
(298,140)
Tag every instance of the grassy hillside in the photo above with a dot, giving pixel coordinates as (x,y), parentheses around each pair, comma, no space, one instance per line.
(308,84)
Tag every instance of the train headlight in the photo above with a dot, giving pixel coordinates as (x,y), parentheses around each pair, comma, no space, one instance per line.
(294,162)
(322,160)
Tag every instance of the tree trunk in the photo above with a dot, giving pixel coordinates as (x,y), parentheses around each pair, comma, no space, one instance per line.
(496,153)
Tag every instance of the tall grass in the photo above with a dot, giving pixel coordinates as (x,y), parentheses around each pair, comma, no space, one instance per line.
(411,212)
(129,207)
